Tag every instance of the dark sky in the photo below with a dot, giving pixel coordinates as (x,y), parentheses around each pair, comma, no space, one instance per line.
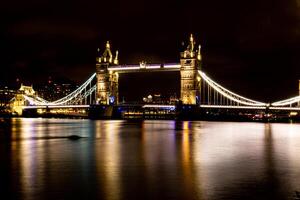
(250,47)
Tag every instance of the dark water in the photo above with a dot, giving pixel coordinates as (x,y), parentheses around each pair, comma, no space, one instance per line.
(148,160)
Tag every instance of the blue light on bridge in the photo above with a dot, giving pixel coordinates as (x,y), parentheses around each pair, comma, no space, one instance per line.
(111,100)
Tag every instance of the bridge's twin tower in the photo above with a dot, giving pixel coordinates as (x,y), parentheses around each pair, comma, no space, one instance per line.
(190,63)
(107,81)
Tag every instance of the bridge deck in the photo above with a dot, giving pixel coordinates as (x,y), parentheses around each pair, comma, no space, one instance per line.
(170,107)
(145,68)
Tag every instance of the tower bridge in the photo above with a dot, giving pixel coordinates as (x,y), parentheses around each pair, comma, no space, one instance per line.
(197,90)
(108,70)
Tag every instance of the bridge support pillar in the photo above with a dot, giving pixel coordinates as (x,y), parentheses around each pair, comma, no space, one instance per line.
(107,81)
(299,91)
(190,79)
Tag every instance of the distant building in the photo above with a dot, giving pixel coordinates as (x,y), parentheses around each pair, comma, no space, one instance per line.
(148,99)
(173,99)
(6,95)
(55,89)
(159,99)
(18,101)
(28,90)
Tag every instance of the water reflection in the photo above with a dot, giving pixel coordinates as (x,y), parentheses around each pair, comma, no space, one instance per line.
(190,171)
(149,160)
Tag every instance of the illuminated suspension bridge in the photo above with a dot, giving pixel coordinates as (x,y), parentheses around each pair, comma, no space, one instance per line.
(197,88)
(213,95)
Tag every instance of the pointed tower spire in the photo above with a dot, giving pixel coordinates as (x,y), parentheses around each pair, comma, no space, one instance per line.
(192,42)
(107,45)
(116,60)
(98,57)
(199,57)
(191,38)
(107,55)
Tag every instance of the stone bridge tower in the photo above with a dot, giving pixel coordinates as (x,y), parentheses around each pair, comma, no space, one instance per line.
(107,81)
(190,61)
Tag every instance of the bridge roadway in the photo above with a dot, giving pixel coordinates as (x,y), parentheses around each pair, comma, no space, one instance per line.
(145,68)
(171,107)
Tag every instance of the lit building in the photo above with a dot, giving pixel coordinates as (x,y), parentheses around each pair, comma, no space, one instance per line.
(159,99)
(173,99)
(55,89)
(6,95)
(19,101)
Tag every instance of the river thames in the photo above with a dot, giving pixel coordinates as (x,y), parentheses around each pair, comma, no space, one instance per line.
(148,160)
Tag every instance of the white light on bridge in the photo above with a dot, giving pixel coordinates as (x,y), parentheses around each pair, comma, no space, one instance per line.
(56,106)
(144,66)
(287,102)
(152,66)
(233,107)
(120,68)
(172,66)
(160,106)
(285,108)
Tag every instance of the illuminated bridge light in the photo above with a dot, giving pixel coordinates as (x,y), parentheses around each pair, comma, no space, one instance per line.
(171,66)
(284,108)
(152,66)
(287,102)
(168,107)
(124,67)
(233,107)
(56,106)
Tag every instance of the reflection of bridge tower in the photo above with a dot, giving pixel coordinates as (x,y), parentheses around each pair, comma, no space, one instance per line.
(190,79)
(107,81)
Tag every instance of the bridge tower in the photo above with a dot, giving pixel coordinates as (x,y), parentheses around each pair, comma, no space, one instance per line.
(19,101)
(107,81)
(190,61)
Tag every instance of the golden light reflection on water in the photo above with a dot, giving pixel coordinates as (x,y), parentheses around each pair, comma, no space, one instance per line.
(187,164)
(201,160)
(108,166)
(25,154)
(186,145)
(159,143)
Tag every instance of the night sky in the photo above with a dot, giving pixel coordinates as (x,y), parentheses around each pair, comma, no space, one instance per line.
(250,47)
